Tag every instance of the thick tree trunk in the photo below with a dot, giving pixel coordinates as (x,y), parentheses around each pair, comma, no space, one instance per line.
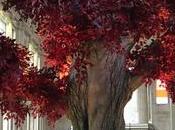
(99,105)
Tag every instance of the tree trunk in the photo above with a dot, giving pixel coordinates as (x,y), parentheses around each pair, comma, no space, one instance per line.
(99,104)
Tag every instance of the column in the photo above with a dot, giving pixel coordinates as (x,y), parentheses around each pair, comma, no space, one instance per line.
(142,104)
(172,116)
(1,122)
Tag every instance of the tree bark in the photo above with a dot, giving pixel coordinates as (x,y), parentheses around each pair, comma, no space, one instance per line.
(99,105)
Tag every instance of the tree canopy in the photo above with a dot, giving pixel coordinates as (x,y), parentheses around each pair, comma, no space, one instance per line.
(141,30)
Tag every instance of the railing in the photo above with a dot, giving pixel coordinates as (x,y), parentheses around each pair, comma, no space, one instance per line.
(139,127)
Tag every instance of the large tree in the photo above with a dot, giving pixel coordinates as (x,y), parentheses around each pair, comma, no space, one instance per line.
(100,51)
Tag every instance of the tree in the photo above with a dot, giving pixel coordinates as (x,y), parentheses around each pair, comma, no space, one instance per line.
(23,87)
(14,62)
(100,51)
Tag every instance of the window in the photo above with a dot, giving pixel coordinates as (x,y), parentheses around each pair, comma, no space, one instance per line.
(161,93)
(28,122)
(31,49)
(33,123)
(7,124)
(39,62)
(131,113)
(2,27)
(13,33)
(35,59)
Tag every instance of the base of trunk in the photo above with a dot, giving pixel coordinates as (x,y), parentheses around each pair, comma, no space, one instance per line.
(100,105)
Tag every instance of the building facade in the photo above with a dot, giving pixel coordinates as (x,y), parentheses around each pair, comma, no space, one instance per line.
(24,34)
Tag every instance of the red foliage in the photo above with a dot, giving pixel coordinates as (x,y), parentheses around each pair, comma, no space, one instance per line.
(164,13)
(24,89)
(14,62)
(69,28)
(45,92)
